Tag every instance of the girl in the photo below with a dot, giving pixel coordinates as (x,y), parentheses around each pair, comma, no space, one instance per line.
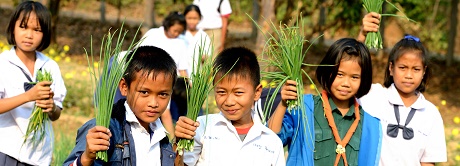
(413,130)
(196,38)
(168,37)
(334,130)
(29,32)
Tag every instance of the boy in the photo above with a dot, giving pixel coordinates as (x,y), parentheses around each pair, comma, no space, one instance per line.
(232,137)
(135,136)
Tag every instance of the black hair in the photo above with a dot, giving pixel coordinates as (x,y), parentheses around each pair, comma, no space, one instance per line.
(406,45)
(192,8)
(179,96)
(346,49)
(150,60)
(174,18)
(44,19)
(238,62)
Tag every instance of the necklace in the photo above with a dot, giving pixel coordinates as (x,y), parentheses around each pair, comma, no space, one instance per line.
(341,144)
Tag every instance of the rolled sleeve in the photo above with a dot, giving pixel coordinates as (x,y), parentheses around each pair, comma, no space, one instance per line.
(287,129)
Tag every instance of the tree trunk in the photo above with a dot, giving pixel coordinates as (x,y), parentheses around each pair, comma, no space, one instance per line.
(268,13)
(255,17)
(119,11)
(322,20)
(102,11)
(54,10)
(452,33)
(149,11)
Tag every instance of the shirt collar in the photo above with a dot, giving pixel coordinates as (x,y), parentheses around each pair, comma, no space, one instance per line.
(351,109)
(395,99)
(257,123)
(40,61)
(157,127)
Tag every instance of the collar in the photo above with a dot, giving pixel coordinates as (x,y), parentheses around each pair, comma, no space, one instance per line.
(40,61)
(395,99)
(157,127)
(258,126)
(351,108)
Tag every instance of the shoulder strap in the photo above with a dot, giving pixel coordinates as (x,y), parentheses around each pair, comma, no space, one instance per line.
(220,4)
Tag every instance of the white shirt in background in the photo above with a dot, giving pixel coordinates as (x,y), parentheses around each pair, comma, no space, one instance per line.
(428,144)
(211,18)
(194,43)
(13,124)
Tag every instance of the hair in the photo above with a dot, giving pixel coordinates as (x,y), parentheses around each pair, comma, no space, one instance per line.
(150,60)
(238,62)
(44,19)
(172,19)
(346,49)
(402,47)
(192,7)
(179,95)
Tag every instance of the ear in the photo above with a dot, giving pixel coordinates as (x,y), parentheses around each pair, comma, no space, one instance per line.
(123,86)
(258,92)
(424,70)
(390,67)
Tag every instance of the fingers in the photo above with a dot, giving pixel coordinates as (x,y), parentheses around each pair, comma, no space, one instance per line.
(185,128)
(46,105)
(371,22)
(289,91)
(40,91)
(97,139)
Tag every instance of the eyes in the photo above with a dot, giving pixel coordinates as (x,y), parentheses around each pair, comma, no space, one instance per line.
(145,93)
(354,77)
(223,92)
(416,69)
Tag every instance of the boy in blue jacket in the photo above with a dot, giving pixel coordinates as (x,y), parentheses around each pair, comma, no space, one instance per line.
(136,135)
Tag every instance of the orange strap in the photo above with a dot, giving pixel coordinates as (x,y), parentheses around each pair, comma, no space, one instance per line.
(341,144)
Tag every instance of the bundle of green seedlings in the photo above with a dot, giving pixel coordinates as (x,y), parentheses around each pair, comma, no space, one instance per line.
(39,119)
(374,39)
(104,81)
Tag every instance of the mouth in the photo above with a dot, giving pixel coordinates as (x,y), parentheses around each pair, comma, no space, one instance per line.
(231,112)
(343,92)
(27,43)
(152,113)
(407,83)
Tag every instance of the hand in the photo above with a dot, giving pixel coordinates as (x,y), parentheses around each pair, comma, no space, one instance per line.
(97,139)
(40,91)
(371,22)
(288,91)
(185,128)
(47,105)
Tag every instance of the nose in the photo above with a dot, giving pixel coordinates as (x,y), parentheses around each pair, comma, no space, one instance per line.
(29,34)
(229,101)
(408,74)
(346,82)
(153,103)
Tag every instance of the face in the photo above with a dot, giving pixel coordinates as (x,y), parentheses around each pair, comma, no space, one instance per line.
(235,97)
(28,37)
(346,83)
(407,72)
(174,31)
(192,19)
(147,96)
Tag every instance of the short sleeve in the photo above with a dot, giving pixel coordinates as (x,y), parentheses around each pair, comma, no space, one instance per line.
(374,100)
(58,85)
(435,150)
(287,129)
(225,8)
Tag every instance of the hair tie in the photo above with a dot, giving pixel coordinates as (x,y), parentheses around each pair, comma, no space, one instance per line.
(410,37)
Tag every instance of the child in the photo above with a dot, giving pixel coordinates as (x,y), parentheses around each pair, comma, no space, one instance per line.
(29,31)
(334,130)
(413,130)
(233,136)
(168,37)
(195,38)
(135,135)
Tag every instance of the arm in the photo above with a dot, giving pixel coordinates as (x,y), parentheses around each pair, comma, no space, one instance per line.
(426,164)
(224,32)
(166,119)
(288,92)
(371,23)
(40,91)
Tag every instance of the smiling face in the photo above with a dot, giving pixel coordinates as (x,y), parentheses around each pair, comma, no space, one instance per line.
(174,31)
(28,36)
(147,96)
(346,83)
(407,72)
(235,97)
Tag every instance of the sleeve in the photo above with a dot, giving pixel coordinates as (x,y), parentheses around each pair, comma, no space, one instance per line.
(435,150)
(225,8)
(280,159)
(80,142)
(287,129)
(58,85)
(196,2)
(144,39)
(182,63)
(374,100)
(191,158)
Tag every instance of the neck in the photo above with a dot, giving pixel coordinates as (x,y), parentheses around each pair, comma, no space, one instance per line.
(244,122)
(25,56)
(342,105)
(193,31)
(408,99)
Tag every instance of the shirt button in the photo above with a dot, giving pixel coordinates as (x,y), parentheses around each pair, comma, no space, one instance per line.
(170,155)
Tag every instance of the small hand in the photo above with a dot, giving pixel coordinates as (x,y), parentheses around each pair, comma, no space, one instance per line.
(97,139)
(288,91)
(371,22)
(47,105)
(185,128)
(40,91)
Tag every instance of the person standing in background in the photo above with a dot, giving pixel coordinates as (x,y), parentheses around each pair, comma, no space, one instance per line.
(215,20)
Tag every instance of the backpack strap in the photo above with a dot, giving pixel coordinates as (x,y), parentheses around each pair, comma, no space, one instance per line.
(220,4)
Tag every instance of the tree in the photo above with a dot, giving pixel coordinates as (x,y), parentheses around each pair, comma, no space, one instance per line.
(149,11)
(268,15)
(452,33)
(102,11)
(255,17)
(54,10)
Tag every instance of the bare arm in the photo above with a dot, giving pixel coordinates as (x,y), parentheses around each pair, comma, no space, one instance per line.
(371,22)
(427,164)
(288,92)
(224,33)
(38,92)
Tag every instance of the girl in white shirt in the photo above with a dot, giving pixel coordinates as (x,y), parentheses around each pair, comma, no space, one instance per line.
(413,130)
(29,32)
(196,38)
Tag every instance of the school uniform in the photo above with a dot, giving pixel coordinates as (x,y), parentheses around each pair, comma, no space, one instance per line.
(428,142)
(217,143)
(13,124)
(176,47)
(194,43)
(311,141)
(130,144)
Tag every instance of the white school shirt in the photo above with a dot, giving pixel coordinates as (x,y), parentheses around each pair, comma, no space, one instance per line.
(211,18)
(194,43)
(148,150)
(217,143)
(176,47)
(428,144)
(13,124)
